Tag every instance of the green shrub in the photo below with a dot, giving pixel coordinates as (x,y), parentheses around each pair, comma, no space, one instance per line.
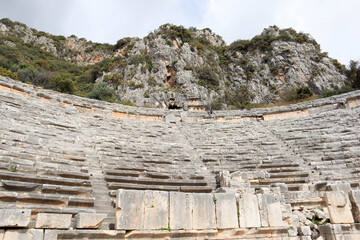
(175,32)
(27,74)
(152,81)
(133,85)
(115,79)
(101,91)
(7,73)
(207,78)
(303,92)
(216,105)
(62,82)
(122,42)
(328,92)
(137,59)
(296,94)
(240,98)
(353,74)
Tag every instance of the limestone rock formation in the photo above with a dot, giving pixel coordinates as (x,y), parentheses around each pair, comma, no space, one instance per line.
(178,68)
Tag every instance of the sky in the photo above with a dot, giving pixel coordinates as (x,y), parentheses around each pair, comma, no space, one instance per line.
(333,23)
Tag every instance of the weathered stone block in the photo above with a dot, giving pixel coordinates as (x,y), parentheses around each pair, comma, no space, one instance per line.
(129,209)
(23,234)
(14,217)
(180,211)
(263,211)
(355,204)
(270,210)
(203,211)
(58,221)
(339,207)
(156,210)
(339,187)
(226,211)
(89,220)
(249,215)
(304,231)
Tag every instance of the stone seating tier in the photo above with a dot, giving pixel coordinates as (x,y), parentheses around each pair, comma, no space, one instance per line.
(62,154)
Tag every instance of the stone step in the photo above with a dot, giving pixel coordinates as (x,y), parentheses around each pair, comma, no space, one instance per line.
(51,199)
(288,174)
(35,209)
(284,180)
(27,177)
(152,181)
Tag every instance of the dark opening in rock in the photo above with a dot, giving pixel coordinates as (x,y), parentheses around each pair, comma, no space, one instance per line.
(173,105)
(170,76)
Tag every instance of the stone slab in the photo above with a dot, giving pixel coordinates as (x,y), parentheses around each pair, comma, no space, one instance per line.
(355,204)
(89,220)
(203,211)
(274,210)
(226,211)
(270,210)
(83,234)
(249,215)
(53,221)
(180,211)
(14,217)
(339,207)
(156,210)
(263,211)
(129,209)
(23,234)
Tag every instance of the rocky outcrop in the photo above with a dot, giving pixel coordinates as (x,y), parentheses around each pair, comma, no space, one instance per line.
(178,68)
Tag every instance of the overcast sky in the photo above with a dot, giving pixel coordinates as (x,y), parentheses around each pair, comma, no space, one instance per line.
(335,24)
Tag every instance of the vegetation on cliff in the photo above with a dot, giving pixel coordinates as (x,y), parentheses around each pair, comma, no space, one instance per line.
(175,61)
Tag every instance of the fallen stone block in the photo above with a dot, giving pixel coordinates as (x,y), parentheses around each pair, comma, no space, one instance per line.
(355,204)
(156,208)
(339,207)
(57,221)
(180,211)
(23,234)
(89,220)
(203,211)
(249,215)
(226,211)
(14,217)
(129,209)
(304,231)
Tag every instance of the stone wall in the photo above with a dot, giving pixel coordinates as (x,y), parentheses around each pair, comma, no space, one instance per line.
(85,105)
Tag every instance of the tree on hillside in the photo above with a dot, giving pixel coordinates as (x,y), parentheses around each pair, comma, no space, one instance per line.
(353,74)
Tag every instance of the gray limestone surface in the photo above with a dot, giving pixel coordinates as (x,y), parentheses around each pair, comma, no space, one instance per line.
(14,217)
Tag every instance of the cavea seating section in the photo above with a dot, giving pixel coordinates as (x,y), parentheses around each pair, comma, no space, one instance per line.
(76,168)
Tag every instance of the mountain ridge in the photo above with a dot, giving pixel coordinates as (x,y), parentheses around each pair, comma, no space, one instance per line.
(173,65)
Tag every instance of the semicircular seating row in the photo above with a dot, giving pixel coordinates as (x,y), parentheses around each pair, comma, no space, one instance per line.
(54,158)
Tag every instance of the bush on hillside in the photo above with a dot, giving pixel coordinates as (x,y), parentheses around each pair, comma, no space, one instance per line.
(101,91)
(353,74)
(296,94)
(328,93)
(7,73)
(207,78)
(62,82)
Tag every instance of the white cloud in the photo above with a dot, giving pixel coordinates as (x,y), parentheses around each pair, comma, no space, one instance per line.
(332,23)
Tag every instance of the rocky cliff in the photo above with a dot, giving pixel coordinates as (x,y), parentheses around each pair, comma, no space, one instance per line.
(175,67)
